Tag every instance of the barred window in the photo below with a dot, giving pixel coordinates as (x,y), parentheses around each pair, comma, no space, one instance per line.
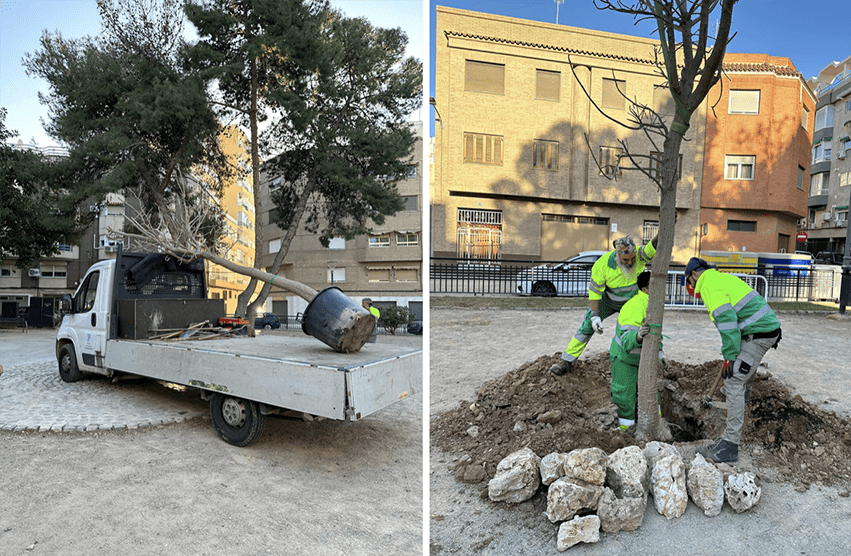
(610,161)
(545,155)
(478,216)
(483,149)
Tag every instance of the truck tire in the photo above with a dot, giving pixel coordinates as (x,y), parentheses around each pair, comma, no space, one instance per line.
(68,369)
(267,326)
(238,422)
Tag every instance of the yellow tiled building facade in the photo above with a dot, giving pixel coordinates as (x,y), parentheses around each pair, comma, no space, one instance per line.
(518,143)
(237,201)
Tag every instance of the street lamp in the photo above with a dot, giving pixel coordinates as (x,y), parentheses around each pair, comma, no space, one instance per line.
(558,3)
(331,266)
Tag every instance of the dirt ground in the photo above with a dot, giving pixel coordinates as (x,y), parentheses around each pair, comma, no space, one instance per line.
(489,370)
(320,487)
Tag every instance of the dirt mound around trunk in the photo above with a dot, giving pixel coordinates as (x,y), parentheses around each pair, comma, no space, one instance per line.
(785,437)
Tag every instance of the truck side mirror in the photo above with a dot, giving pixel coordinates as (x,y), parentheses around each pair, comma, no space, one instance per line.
(65,305)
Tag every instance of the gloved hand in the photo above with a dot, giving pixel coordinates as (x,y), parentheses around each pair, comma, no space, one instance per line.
(663,360)
(643,331)
(596,323)
(727,370)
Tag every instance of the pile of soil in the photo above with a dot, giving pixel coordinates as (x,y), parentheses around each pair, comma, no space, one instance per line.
(784,438)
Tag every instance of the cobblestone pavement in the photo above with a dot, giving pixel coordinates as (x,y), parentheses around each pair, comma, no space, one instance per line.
(33,397)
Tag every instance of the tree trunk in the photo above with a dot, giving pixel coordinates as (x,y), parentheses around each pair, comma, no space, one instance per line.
(649,426)
(304,292)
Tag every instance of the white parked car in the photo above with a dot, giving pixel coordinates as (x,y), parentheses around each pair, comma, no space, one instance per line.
(569,277)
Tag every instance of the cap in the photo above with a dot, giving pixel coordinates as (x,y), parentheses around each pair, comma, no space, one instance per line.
(696,264)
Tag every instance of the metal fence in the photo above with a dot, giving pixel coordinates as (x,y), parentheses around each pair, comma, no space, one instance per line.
(550,278)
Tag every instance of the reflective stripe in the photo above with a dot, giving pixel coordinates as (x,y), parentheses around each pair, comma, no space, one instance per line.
(614,297)
(744,301)
(719,310)
(625,422)
(595,287)
(624,327)
(755,317)
(630,288)
(635,351)
(727,325)
(582,337)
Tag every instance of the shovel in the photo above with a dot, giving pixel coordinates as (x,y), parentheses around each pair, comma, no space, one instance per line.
(707,402)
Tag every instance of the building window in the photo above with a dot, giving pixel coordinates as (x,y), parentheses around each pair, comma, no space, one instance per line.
(545,155)
(823,151)
(479,235)
(337,243)
(844,179)
(406,274)
(649,231)
(744,102)
(6,271)
(656,165)
(378,274)
(53,271)
(411,203)
(739,167)
(379,241)
(614,94)
(801,178)
(65,247)
(841,219)
(847,106)
(274,246)
(610,161)
(547,85)
(818,184)
(574,219)
(663,102)
(484,77)
(483,149)
(336,275)
(824,117)
(805,118)
(741,226)
(407,239)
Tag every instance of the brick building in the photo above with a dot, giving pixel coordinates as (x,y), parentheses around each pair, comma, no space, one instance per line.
(757,155)
(514,177)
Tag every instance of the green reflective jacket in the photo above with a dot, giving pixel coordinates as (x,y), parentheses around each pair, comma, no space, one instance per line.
(608,280)
(735,308)
(625,344)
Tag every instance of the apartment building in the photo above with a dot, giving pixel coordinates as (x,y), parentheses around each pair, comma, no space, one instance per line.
(385,265)
(523,158)
(237,201)
(826,221)
(757,156)
(52,277)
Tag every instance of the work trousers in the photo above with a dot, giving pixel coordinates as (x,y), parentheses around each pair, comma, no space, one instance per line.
(583,334)
(738,387)
(624,389)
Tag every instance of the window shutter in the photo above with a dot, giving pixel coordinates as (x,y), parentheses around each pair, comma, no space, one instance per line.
(484,77)
(547,85)
(744,102)
(613,94)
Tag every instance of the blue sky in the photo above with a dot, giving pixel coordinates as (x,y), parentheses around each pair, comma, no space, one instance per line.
(22,23)
(811,34)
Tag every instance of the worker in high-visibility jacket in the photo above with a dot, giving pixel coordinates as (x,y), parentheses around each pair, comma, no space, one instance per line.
(366,303)
(612,284)
(625,353)
(748,328)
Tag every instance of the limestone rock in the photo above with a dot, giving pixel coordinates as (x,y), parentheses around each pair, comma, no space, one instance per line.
(566,497)
(550,417)
(620,514)
(668,485)
(587,464)
(626,472)
(579,529)
(470,474)
(517,477)
(654,450)
(473,431)
(705,486)
(552,467)
(742,491)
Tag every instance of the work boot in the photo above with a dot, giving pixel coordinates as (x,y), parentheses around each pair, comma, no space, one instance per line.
(722,451)
(561,367)
(628,429)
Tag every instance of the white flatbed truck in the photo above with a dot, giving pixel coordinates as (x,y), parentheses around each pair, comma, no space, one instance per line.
(120,302)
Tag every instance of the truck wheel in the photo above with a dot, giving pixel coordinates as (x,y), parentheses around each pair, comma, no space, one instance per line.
(68,369)
(238,422)
(267,326)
